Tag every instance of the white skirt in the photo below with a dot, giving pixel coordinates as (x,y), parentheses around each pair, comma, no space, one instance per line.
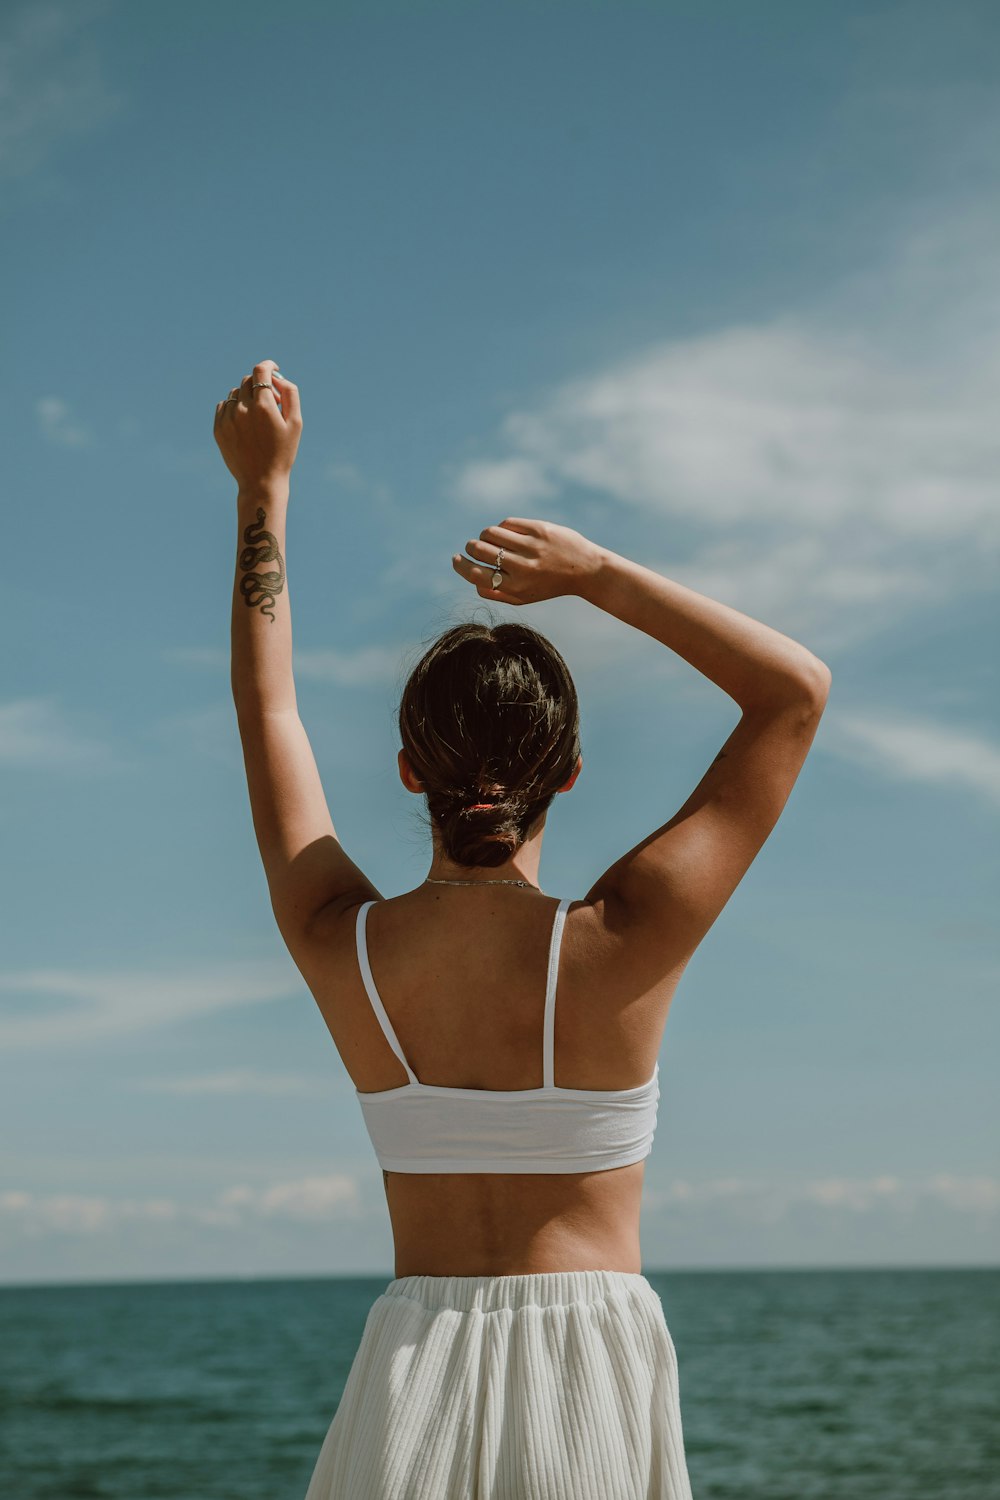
(556,1386)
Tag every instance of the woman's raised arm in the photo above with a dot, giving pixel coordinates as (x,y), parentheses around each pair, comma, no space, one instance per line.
(307,870)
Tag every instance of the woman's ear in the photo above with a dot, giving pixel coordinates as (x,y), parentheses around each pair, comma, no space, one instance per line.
(406,775)
(576,771)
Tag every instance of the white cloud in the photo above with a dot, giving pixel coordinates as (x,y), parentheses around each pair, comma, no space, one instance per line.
(59,425)
(310,1199)
(859,1194)
(78,1213)
(52,83)
(69,1006)
(915,750)
(507,482)
(968,1194)
(826,473)
(771,1200)
(34,732)
(777,423)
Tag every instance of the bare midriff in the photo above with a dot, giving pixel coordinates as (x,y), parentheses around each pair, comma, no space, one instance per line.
(495,1224)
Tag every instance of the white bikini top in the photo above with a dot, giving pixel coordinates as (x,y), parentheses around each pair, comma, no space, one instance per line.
(423,1127)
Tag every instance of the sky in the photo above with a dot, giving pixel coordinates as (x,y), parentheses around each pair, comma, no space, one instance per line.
(715,284)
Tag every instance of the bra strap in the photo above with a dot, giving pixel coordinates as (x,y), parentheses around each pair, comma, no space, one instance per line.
(549,1025)
(361,934)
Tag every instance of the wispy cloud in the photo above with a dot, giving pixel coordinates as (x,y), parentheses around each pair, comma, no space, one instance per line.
(58,424)
(309,1199)
(915,750)
(770,1200)
(235,1081)
(54,1007)
(504,482)
(35,732)
(78,1213)
(367,666)
(591,640)
(774,423)
(306,1200)
(363,666)
(52,81)
(818,471)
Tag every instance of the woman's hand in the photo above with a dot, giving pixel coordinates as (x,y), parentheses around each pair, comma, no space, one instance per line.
(258,430)
(541,560)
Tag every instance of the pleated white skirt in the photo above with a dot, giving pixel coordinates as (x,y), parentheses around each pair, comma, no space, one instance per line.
(556,1386)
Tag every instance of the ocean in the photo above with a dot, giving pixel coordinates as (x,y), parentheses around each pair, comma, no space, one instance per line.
(795,1385)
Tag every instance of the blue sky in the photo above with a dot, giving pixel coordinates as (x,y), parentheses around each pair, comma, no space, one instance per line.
(715,284)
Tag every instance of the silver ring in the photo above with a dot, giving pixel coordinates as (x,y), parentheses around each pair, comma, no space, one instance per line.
(265,383)
(497,578)
(230,398)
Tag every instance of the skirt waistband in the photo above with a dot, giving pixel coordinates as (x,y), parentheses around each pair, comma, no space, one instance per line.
(540,1289)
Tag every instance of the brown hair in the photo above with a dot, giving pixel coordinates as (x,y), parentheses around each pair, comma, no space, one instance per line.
(489,714)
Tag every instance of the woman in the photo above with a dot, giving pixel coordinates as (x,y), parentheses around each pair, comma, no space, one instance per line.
(519,1353)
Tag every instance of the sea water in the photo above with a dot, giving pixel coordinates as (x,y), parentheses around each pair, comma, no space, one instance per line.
(795,1385)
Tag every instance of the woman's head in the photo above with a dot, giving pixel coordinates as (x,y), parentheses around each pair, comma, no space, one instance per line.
(489,715)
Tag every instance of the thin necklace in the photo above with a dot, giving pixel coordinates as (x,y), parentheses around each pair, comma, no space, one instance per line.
(526,883)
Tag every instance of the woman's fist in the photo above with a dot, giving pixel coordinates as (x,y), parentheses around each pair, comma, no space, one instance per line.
(258,428)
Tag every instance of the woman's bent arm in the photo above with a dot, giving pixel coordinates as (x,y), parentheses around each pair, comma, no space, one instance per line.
(664,894)
(667,891)
(750,661)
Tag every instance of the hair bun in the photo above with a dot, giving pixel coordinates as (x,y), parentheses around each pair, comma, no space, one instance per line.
(456,744)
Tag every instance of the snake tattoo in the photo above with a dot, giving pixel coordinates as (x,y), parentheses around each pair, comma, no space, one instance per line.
(266,586)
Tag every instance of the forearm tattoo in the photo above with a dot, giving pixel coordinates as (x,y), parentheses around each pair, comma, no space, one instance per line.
(261,588)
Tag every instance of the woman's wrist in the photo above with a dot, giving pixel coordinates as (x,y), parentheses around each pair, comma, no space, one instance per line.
(266,492)
(596,580)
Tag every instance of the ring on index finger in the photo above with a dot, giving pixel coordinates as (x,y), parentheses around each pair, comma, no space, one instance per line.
(497,578)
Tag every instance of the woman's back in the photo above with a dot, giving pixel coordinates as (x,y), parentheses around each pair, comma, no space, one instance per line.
(462,974)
